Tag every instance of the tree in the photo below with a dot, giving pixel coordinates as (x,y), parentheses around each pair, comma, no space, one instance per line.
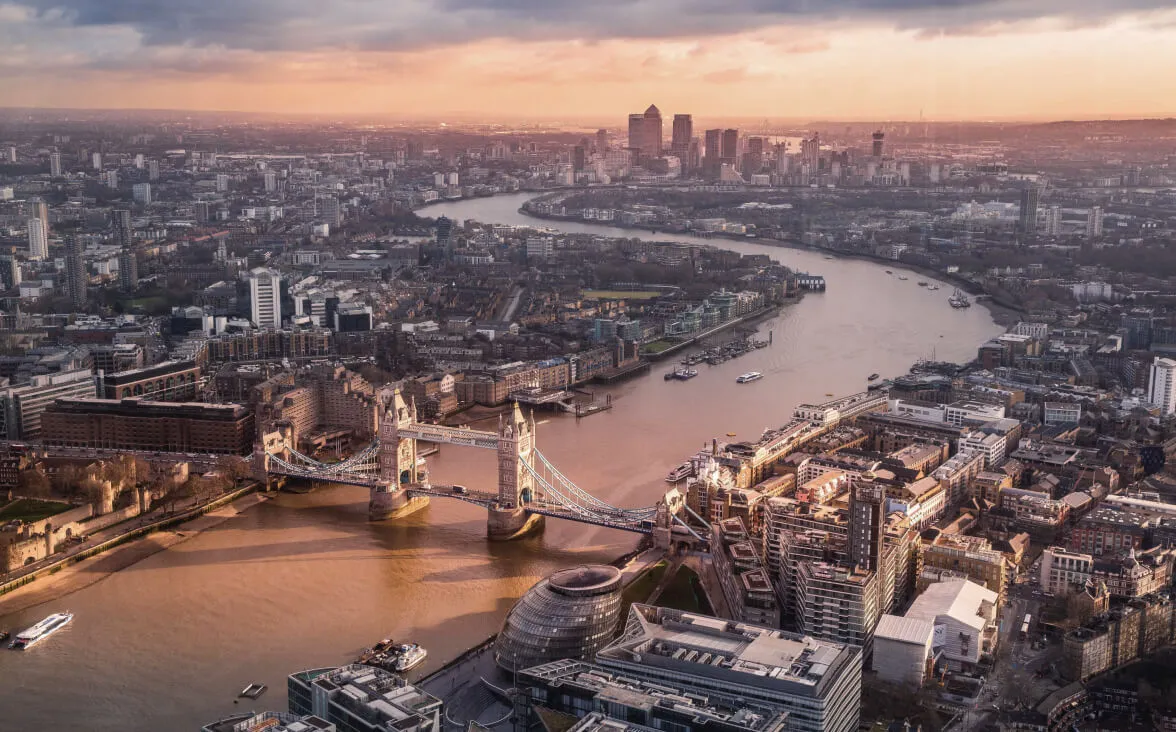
(33,482)
(234,468)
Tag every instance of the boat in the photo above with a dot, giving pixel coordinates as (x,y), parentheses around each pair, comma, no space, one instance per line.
(828,393)
(921,283)
(730,434)
(253,691)
(681,374)
(872,377)
(903,277)
(933,287)
(682,472)
(4,635)
(42,630)
(829,257)
(409,656)
(889,272)
(749,376)
(959,300)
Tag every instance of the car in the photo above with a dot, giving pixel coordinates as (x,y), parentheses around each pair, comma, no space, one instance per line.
(460,489)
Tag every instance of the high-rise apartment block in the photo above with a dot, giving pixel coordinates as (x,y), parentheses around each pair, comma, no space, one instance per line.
(265,291)
(77,279)
(1161,388)
(38,239)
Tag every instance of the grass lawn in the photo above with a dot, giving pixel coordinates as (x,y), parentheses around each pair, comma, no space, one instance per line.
(619,294)
(29,509)
(656,346)
(685,593)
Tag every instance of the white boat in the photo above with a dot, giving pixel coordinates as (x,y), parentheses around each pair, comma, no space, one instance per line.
(902,277)
(409,656)
(749,376)
(682,472)
(42,630)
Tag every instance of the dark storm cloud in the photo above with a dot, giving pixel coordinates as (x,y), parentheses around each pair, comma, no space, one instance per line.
(394,25)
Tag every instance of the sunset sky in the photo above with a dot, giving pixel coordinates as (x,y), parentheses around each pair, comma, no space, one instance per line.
(800,59)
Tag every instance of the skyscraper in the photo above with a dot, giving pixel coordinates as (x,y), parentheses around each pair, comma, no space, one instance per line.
(729,150)
(1161,388)
(128,269)
(38,209)
(1053,221)
(1094,223)
(652,146)
(1030,196)
(753,156)
(120,221)
(879,137)
(55,164)
(601,141)
(867,518)
(579,157)
(141,192)
(270,179)
(329,210)
(96,161)
(712,151)
(265,292)
(682,134)
(38,239)
(76,277)
(152,170)
(444,233)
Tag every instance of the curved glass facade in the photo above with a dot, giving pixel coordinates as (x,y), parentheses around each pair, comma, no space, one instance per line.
(571,614)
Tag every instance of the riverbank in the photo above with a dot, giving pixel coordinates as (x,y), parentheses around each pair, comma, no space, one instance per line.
(1003,314)
(73,574)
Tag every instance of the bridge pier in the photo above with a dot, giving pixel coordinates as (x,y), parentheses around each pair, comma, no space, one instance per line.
(384,504)
(506,524)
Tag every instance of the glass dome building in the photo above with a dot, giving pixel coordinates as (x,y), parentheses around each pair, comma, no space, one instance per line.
(571,614)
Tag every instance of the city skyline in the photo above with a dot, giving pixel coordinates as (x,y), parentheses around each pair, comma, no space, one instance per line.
(900,59)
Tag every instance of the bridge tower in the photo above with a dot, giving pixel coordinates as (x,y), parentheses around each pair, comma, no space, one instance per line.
(516,486)
(398,465)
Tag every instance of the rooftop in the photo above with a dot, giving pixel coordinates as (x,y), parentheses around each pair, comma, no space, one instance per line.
(959,599)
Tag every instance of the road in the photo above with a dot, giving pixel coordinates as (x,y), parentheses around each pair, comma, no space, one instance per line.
(512,304)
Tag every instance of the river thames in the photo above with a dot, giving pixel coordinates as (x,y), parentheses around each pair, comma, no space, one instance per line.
(305,581)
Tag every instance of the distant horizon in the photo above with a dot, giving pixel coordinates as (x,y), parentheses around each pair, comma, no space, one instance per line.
(618,120)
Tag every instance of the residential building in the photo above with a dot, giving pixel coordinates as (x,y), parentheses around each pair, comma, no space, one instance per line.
(838,602)
(1161,387)
(38,239)
(77,279)
(270,722)
(969,556)
(141,193)
(265,292)
(1057,413)
(745,583)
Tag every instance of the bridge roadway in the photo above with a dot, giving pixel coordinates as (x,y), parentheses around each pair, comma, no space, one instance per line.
(63,451)
(450,435)
(543,508)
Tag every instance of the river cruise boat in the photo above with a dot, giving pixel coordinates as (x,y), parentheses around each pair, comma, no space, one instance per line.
(680,473)
(42,630)
(409,656)
(959,300)
(749,376)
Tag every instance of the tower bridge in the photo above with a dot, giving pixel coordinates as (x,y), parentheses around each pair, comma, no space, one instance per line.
(530,487)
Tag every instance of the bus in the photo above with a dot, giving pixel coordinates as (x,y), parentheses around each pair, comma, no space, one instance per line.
(1025,626)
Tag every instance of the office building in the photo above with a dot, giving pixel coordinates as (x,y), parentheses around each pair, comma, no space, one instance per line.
(729,147)
(147,426)
(152,170)
(38,239)
(55,164)
(611,702)
(353,317)
(681,137)
(201,211)
(1094,223)
(77,279)
(879,137)
(96,160)
(601,141)
(712,151)
(360,698)
(967,612)
(222,183)
(1030,196)
(903,650)
(141,193)
(270,179)
(1161,386)
(570,615)
(128,269)
(265,292)
(817,683)
(645,133)
(21,407)
(270,722)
